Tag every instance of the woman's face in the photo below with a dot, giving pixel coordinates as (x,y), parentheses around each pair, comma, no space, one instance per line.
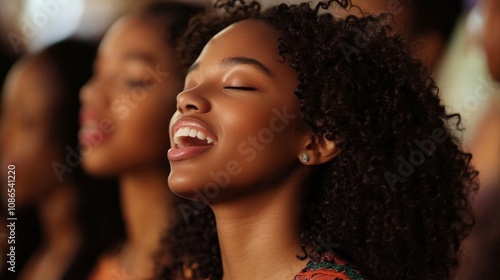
(129,100)
(27,132)
(237,125)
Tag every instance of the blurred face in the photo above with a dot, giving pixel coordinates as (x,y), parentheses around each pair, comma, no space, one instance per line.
(26,122)
(237,124)
(491,39)
(129,100)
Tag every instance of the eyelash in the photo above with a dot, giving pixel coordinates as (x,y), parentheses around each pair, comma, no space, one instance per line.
(241,88)
(135,83)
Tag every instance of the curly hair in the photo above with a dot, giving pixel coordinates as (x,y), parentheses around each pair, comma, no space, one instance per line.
(395,201)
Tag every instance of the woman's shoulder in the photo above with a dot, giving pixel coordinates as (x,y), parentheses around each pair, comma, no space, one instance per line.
(330,267)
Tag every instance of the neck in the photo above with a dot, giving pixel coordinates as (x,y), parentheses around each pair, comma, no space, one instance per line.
(260,238)
(57,216)
(147,206)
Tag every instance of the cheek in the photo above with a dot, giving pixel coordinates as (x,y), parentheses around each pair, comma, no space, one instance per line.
(33,155)
(27,149)
(261,150)
(148,123)
(266,154)
(270,142)
(140,136)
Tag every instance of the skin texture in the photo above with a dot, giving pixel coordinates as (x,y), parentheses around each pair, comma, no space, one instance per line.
(236,101)
(132,94)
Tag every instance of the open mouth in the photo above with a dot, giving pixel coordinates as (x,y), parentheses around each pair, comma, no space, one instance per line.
(91,133)
(191,137)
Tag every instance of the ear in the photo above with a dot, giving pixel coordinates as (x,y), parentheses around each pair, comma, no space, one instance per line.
(318,150)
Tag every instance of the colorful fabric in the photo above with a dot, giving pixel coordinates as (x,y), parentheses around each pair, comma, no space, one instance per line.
(329,267)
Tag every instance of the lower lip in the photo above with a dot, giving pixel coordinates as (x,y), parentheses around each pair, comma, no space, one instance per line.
(176,154)
(92,137)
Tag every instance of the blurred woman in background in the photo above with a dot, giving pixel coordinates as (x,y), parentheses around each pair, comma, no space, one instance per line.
(482,248)
(39,137)
(127,106)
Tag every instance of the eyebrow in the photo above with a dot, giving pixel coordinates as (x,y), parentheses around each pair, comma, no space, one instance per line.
(238,60)
(145,57)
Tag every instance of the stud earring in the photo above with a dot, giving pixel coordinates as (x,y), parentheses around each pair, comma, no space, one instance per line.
(305,157)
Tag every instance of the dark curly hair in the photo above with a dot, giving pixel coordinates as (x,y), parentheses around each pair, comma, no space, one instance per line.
(395,201)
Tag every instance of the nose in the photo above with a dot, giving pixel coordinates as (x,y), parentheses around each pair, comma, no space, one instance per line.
(190,101)
(91,93)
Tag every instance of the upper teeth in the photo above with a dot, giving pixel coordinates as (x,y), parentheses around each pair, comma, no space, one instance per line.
(190,132)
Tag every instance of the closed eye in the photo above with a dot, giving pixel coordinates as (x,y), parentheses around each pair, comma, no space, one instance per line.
(135,83)
(241,88)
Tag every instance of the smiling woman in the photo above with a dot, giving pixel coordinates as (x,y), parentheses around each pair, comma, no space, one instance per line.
(251,90)
(313,135)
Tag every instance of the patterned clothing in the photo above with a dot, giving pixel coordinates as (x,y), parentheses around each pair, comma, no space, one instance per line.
(329,267)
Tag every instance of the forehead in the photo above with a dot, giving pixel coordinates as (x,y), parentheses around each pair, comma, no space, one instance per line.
(31,74)
(249,38)
(134,34)
(31,84)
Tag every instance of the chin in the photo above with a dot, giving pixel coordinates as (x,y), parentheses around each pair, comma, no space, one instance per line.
(99,168)
(185,188)
(181,188)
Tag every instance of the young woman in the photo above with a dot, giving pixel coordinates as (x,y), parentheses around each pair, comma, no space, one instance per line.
(39,137)
(321,147)
(126,109)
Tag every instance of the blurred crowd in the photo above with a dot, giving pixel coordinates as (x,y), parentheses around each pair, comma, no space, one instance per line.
(94,216)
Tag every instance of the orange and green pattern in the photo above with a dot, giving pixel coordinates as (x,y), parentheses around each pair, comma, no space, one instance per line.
(329,267)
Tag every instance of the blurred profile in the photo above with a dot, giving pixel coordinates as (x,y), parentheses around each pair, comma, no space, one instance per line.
(126,108)
(482,249)
(39,137)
